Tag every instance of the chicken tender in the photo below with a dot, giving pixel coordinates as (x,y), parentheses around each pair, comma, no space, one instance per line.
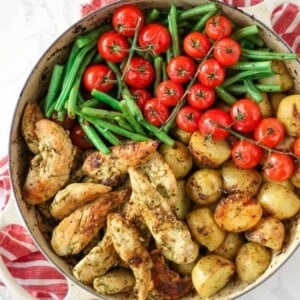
(109,169)
(74,232)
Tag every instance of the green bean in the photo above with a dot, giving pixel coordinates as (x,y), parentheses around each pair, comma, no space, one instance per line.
(196,11)
(110,137)
(199,26)
(158,72)
(253,91)
(72,100)
(90,102)
(152,16)
(240,88)
(244,32)
(256,40)
(107,99)
(172,21)
(266,55)
(54,86)
(225,95)
(101,113)
(71,58)
(131,104)
(265,66)
(118,75)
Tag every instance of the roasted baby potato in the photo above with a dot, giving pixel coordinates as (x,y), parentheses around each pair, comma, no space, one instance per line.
(251,261)
(211,273)
(275,99)
(181,135)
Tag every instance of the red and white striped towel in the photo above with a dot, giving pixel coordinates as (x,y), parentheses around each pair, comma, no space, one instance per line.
(30,268)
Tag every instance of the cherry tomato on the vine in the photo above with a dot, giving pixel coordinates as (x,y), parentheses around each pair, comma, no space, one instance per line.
(245,154)
(125,19)
(196,44)
(227,52)
(169,92)
(296,147)
(213,123)
(211,72)
(181,69)
(218,27)
(155,112)
(98,77)
(269,132)
(278,166)
(245,114)
(140,73)
(140,96)
(201,96)
(79,138)
(113,46)
(155,38)
(187,118)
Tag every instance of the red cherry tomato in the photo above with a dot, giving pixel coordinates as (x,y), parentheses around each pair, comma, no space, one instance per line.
(79,138)
(187,119)
(218,27)
(201,96)
(125,19)
(169,92)
(211,73)
(210,122)
(155,112)
(140,73)
(246,155)
(278,166)
(245,114)
(269,132)
(98,77)
(140,96)
(296,147)
(227,52)
(196,44)
(113,46)
(181,69)
(154,37)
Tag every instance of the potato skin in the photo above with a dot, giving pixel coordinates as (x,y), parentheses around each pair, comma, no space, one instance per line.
(238,212)
(251,261)
(178,157)
(204,228)
(278,201)
(275,99)
(208,153)
(211,274)
(181,135)
(268,232)
(204,186)
(238,180)
(295,179)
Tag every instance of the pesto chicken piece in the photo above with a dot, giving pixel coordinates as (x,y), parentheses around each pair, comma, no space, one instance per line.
(50,168)
(75,231)
(74,196)
(126,241)
(171,235)
(110,169)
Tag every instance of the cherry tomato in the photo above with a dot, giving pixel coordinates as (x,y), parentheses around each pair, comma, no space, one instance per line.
(211,72)
(154,37)
(296,147)
(278,166)
(218,27)
(125,19)
(227,52)
(201,96)
(98,77)
(245,154)
(181,69)
(245,114)
(210,122)
(113,46)
(196,44)
(169,92)
(140,96)
(155,112)
(187,119)
(140,73)
(269,132)
(66,123)
(79,138)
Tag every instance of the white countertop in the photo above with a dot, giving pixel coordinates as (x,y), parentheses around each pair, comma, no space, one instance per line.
(27,27)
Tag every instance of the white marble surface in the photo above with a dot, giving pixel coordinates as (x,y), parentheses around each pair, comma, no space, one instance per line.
(27,27)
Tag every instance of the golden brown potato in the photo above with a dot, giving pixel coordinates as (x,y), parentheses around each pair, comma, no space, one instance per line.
(251,261)
(288,113)
(278,201)
(204,186)
(275,99)
(240,180)
(264,105)
(230,246)
(181,135)
(282,76)
(286,183)
(185,269)
(295,179)
(183,202)
(238,212)
(178,157)
(204,228)
(269,232)
(208,153)
(211,274)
